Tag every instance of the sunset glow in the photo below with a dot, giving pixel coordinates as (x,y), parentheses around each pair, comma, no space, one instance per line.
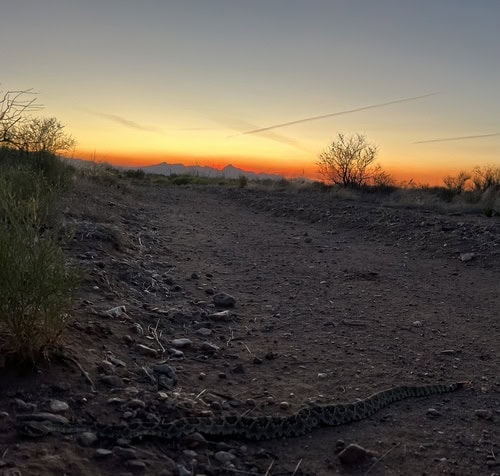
(182,82)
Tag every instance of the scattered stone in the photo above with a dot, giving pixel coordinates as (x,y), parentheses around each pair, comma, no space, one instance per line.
(202,376)
(22,406)
(224,457)
(238,369)
(433,413)
(203,331)
(417,324)
(118,311)
(117,362)
(448,352)
(284,405)
(220,316)
(464,257)
(112,381)
(101,453)
(87,438)
(182,471)
(58,406)
(224,300)
(322,375)
(182,342)
(145,350)
(136,464)
(136,403)
(209,292)
(165,369)
(125,453)
(175,353)
(166,382)
(354,453)
(209,348)
(484,414)
(116,401)
(195,276)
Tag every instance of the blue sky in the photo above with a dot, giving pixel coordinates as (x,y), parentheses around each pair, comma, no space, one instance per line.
(191,73)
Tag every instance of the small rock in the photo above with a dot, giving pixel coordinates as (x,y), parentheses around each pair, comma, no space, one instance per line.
(220,316)
(175,353)
(101,453)
(136,464)
(322,375)
(145,350)
(22,406)
(417,324)
(182,342)
(484,414)
(164,369)
(182,471)
(87,438)
(203,331)
(433,413)
(467,257)
(209,348)
(354,453)
(224,456)
(284,405)
(112,381)
(136,403)
(224,300)
(58,406)
(117,362)
(117,311)
(125,453)
(448,352)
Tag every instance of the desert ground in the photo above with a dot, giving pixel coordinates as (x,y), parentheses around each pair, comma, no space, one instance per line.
(334,300)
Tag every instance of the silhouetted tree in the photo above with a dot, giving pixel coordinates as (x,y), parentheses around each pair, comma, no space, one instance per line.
(350,162)
(13,108)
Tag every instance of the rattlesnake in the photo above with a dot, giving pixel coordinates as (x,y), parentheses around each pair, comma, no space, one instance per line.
(248,427)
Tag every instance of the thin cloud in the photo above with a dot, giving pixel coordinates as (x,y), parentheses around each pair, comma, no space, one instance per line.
(125,122)
(457,138)
(324,116)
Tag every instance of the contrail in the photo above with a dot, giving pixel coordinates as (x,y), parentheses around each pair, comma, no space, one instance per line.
(457,138)
(124,122)
(324,116)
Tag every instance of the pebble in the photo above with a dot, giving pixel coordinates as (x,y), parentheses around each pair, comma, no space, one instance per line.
(182,471)
(322,375)
(117,311)
(164,369)
(484,414)
(224,300)
(125,453)
(464,257)
(209,348)
(224,456)
(433,413)
(112,381)
(354,453)
(87,438)
(136,464)
(182,342)
(102,453)
(220,316)
(203,331)
(136,403)
(176,354)
(58,406)
(145,350)
(22,406)
(284,405)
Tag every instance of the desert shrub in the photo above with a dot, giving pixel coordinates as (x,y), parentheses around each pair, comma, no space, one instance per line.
(242,181)
(138,174)
(36,286)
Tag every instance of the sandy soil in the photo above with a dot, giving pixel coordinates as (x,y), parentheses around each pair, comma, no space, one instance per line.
(335,300)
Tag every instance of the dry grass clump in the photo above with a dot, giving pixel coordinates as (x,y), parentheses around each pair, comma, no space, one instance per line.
(36,285)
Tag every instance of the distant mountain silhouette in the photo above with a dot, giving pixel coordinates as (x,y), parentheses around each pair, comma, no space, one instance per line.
(165,168)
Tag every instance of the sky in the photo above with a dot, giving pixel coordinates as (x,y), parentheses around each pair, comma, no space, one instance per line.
(183,81)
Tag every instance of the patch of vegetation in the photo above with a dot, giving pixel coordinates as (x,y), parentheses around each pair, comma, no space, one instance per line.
(36,285)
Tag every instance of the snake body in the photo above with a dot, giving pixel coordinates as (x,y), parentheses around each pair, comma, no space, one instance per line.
(254,427)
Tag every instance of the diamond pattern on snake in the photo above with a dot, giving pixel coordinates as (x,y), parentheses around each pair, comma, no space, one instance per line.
(250,427)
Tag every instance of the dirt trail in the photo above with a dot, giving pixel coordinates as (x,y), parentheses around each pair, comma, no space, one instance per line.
(334,301)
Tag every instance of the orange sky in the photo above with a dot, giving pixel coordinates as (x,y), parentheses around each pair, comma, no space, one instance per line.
(295,168)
